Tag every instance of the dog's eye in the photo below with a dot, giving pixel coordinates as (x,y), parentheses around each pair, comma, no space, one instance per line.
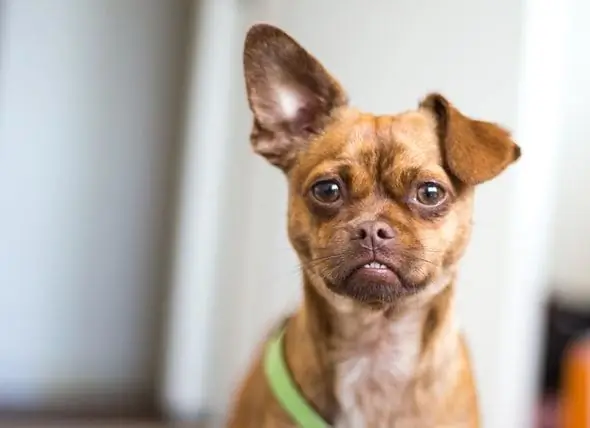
(327,191)
(430,194)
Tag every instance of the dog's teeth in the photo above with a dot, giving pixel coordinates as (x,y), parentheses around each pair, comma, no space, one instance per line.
(375,265)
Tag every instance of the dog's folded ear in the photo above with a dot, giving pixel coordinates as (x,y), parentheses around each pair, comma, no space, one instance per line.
(290,93)
(475,151)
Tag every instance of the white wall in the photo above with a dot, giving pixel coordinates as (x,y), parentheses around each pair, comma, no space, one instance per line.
(89,102)
(571,230)
(486,57)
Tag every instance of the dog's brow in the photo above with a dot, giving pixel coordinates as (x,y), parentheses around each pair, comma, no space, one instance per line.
(398,181)
(326,168)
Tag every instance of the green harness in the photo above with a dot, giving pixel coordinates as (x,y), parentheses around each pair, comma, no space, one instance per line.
(284,388)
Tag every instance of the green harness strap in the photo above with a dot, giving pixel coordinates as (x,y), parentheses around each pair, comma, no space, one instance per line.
(284,388)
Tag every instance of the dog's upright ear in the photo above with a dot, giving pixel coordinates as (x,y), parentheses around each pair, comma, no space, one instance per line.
(475,151)
(290,93)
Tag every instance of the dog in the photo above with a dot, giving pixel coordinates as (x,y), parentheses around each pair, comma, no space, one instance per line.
(379,214)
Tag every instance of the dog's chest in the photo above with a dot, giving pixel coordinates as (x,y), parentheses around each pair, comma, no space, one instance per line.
(370,384)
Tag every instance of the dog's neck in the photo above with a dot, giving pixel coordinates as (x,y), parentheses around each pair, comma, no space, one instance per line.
(345,355)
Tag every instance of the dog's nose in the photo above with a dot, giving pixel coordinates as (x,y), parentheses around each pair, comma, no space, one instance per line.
(374,234)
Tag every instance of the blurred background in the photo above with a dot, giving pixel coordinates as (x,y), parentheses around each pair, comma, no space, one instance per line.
(143,251)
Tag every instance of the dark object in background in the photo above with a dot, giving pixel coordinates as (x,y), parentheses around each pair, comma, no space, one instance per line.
(565,323)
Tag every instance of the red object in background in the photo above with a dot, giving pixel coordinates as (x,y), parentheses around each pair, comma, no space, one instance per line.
(574,406)
(547,412)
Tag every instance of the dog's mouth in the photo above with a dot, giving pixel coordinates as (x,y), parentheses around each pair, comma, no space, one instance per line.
(376,272)
(374,281)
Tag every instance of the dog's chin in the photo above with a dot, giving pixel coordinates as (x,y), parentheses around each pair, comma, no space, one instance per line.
(373,286)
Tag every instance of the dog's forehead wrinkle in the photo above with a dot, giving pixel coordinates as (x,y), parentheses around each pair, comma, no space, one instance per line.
(368,142)
(391,140)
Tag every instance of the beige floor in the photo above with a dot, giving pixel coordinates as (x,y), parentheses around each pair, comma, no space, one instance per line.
(91,424)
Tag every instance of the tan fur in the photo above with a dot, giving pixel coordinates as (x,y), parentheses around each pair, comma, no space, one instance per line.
(365,353)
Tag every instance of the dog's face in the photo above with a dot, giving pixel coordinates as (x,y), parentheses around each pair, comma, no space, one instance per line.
(379,206)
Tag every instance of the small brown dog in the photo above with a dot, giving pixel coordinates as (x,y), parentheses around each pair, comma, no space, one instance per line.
(380,214)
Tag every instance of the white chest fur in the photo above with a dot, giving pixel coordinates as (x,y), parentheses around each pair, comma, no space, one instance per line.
(371,379)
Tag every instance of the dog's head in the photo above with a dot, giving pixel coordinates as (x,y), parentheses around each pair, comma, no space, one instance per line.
(379,206)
